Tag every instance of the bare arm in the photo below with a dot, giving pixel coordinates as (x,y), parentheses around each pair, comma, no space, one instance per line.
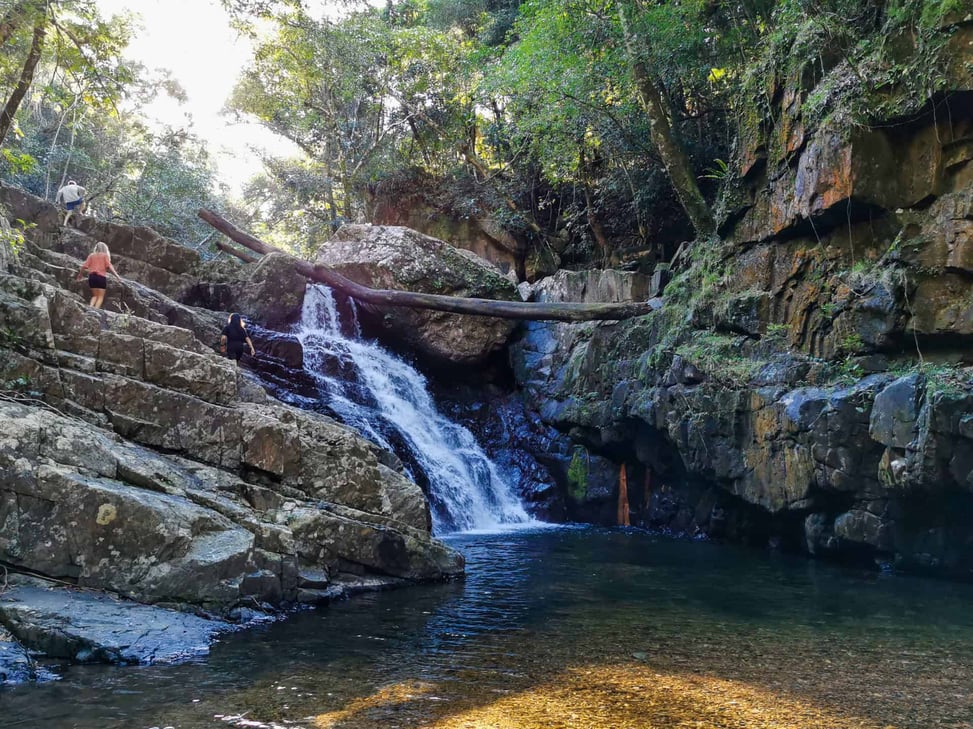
(250,344)
(222,342)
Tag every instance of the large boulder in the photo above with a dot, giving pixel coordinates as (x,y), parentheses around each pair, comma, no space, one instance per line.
(388,257)
(272,293)
(80,504)
(269,292)
(417,202)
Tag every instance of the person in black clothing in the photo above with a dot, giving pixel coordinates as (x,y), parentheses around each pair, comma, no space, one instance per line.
(234,339)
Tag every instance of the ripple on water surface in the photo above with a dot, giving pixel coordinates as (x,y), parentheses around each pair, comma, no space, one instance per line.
(569,627)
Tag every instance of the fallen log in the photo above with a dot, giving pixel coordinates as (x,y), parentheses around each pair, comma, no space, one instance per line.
(531,311)
(242,255)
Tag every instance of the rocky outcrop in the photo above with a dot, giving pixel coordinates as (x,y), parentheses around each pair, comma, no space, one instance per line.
(808,381)
(399,258)
(136,461)
(463,220)
(269,291)
(874,470)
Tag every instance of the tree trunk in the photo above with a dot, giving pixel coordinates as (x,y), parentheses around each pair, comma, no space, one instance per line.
(70,154)
(26,76)
(242,255)
(623,519)
(570,312)
(670,150)
(601,240)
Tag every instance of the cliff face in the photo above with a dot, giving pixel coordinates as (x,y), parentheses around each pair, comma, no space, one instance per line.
(135,459)
(807,382)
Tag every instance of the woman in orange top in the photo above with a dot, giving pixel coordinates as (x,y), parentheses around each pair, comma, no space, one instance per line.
(98,264)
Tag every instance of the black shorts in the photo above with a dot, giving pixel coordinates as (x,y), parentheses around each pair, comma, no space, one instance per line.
(74,204)
(97,281)
(234,349)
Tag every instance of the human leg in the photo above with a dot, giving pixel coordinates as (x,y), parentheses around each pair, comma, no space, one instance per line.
(234,350)
(97,283)
(72,206)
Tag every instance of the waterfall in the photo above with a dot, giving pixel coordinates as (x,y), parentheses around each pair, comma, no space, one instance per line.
(388,402)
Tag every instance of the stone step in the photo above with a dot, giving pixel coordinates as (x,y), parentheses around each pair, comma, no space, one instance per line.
(313,578)
(321,597)
(75,361)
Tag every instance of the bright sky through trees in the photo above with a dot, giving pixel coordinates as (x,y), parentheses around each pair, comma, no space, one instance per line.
(194,40)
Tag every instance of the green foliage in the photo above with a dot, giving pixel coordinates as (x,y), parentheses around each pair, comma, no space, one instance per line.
(12,339)
(290,205)
(721,357)
(777,335)
(578,474)
(948,380)
(849,371)
(18,163)
(13,238)
(133,175)
(70,126)
(851,343)
(361,96)
(719,171)
(853,62)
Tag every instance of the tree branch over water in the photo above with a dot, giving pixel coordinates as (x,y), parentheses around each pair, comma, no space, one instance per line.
(531,311)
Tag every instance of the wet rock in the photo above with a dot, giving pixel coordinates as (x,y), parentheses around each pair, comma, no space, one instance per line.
(895,412)
(16,664)
(819,534)
(89,627)
(591,287)
(861,527)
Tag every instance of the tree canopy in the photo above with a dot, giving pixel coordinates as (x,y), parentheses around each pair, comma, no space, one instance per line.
(589,130)
(78,116)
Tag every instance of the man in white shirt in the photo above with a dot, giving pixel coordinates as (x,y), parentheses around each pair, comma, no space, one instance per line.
(73,196)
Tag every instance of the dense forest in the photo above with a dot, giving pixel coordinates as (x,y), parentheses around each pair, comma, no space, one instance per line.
(595,132)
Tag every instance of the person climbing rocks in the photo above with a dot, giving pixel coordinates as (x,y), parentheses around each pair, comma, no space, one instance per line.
(73,196)
(234,340)
(98,264)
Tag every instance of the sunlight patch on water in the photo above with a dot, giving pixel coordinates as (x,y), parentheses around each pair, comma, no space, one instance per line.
(619,695)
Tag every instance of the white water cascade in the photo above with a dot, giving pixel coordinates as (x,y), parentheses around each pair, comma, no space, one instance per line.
(386,399)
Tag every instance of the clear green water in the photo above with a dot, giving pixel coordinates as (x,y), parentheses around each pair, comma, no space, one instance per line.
(532,600)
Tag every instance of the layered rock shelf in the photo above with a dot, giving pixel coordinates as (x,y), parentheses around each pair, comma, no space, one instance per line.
(137,461)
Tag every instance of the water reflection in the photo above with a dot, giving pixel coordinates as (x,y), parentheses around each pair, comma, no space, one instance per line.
(539,604)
